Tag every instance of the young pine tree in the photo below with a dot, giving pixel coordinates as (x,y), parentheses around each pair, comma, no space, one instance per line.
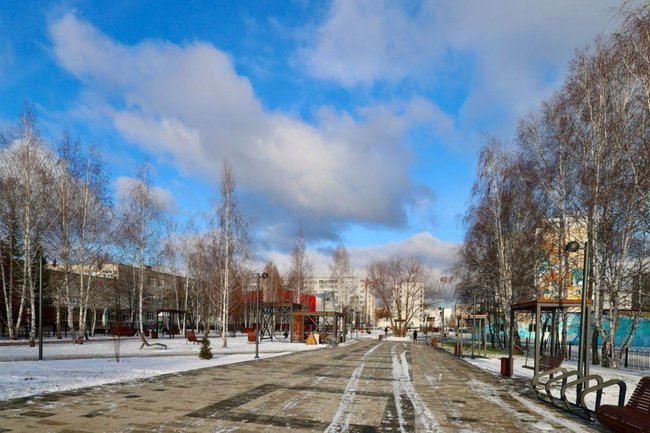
(206,351)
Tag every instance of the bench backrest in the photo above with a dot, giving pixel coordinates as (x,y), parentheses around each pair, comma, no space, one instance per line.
(549,362)
(640,399)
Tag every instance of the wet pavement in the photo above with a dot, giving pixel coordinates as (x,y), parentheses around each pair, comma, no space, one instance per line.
(370,386)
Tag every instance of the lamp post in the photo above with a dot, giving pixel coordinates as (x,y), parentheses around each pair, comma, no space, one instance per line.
(442,322)
(473,321)
(426,328)
(583,352)
(40,304)
(257,314)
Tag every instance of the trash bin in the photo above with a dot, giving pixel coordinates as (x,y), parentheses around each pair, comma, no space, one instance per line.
(381,337)
(434,342)
(505,367)
(458,349)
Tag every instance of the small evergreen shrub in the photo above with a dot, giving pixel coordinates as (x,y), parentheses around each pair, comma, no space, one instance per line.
(206,351)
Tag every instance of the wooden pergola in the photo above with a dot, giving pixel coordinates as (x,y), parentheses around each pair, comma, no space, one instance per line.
(326,323)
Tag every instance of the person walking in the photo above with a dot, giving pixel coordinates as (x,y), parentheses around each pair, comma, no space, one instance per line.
(415,335)
(386,331)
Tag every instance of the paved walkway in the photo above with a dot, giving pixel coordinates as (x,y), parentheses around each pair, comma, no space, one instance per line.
(370,386)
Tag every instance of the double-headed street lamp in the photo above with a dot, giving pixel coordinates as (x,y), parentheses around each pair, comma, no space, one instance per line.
(583,352)
(257,314)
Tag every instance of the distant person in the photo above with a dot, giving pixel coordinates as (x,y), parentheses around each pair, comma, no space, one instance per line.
(386,331)
(415,335)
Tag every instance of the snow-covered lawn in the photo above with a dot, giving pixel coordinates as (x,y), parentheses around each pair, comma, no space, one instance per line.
(67,366)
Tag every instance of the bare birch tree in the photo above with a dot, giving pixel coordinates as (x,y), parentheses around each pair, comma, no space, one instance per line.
(142,217)
(231,236)
(25,167)
(300,269)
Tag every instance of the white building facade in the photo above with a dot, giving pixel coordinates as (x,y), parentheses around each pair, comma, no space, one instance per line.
(351,293)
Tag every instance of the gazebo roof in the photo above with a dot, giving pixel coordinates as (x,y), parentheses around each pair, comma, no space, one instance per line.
(548,304)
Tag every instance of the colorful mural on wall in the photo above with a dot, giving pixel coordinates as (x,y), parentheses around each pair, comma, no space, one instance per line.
(560,272)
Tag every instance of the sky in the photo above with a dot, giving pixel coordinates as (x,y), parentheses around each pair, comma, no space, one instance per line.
(357,122)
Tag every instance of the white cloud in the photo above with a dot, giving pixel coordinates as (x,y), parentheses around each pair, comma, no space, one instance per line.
(123,185)
(437,255)
(515,51)
(188,103)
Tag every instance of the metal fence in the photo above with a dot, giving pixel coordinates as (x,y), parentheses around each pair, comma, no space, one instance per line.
(634,357)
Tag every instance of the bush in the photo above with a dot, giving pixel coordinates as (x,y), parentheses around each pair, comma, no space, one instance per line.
(205,352)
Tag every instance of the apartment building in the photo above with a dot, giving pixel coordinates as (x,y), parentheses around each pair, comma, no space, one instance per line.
(351,293)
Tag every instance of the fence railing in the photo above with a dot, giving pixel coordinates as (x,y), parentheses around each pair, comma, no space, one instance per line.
(634,357)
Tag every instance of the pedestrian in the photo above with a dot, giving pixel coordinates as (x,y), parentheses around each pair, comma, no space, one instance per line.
(386,331)
(415,335)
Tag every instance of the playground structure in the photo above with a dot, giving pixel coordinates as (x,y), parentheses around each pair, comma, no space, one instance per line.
(168,321)
(478,324)
(284,320)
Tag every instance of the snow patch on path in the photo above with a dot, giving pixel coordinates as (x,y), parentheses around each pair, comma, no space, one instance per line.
(550,416)
(341,420)
(402,382)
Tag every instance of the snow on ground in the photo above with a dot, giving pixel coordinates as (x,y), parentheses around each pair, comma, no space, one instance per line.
(68,366)
(610,396)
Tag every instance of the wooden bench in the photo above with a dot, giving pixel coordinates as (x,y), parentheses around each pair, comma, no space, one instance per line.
(191,337)
(634,417)
(147,344)
(123,331)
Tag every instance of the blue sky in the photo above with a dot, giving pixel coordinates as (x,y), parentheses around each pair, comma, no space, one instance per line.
(355,121)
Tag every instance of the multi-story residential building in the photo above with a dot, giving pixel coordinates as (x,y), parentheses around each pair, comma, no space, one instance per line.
(350,293)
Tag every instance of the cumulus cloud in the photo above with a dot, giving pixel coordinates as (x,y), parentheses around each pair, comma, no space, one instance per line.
(188,104)
(123,186)
(515,51)
(437,255)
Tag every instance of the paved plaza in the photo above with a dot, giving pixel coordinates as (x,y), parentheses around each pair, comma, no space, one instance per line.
(370,386)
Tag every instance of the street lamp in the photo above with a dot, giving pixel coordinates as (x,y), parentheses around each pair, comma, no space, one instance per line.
(583,352)
(257,314)
(426,327)
(40,304)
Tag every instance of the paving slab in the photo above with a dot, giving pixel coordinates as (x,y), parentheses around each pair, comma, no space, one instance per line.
(370,386)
